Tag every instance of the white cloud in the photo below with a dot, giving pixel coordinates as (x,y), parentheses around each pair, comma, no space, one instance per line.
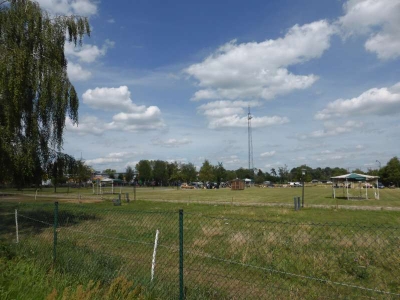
(114,159)
(259,70)
(178,160)
(119,154)
(101,161)
(326,152)
(256,122)
(111,21)
(268,154)
(77,73)
(111,99)
(331,157)
(150,119)
(219,109)
(376,101)
(87,125)
(379,20)
(171,143)
(225,114)
(130,117)
(69,7)
(87,53)
(84,7)
(230,160)
(332,129)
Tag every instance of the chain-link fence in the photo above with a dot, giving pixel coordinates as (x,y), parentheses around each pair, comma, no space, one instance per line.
(176,255)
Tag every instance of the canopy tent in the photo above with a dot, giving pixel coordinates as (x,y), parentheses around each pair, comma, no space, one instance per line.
(351,181)
(118,181)
(249,182)
(106,180)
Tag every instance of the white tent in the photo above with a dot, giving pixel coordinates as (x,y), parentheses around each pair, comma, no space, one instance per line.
(248,182)
(353,180)
(107,180)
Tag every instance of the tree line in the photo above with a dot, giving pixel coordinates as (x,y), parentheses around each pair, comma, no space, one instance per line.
(161,172)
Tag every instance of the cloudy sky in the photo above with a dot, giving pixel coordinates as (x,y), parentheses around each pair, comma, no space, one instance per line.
(173,80)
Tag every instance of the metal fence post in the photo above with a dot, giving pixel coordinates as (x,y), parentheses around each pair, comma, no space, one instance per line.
(55,231)
(298,203)
(16,225)
(181,286)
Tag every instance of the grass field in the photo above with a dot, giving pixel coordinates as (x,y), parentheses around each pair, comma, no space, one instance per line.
(314,195)
(232,249)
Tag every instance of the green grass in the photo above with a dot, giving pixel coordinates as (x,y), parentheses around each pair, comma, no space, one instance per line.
(229,250)
(25,279)
(314,195)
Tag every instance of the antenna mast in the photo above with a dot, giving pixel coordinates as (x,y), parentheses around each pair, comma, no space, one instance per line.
(250,140)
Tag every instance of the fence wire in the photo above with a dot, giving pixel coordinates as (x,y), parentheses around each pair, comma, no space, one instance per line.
(222,257)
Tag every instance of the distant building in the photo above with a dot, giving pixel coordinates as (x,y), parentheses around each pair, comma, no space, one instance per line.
(237,184)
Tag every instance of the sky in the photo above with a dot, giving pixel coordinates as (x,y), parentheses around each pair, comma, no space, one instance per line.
(173,80)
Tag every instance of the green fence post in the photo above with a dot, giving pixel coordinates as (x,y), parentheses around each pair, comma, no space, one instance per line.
(181,287)
(55,231)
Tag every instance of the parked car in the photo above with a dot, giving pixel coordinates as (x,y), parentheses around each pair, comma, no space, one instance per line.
(380,185)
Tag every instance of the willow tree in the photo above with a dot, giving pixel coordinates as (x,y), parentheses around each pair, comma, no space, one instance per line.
(35,92)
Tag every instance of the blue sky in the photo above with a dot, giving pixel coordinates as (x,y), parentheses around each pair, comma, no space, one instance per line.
(173,81)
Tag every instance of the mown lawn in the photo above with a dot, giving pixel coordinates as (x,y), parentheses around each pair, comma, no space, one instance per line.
(314,195)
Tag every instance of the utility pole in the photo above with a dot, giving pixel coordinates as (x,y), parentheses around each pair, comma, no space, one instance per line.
(250,141)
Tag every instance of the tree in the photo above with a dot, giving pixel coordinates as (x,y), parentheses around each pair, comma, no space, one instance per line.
(84,172)
(283,173)
(259,178)
(129,174)
(230,175)
(60,165)
(373,172)
(188,172)
(206,172)
(358,171)
(391,172)
(121,176)
(338,171)
(269,177)
(35,92)
(110,173)
(219,173)
(144,169)
(160,173)
(173,172)
(296,174)
(243,173)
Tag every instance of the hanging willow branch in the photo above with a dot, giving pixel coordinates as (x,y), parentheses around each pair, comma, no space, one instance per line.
(35,92)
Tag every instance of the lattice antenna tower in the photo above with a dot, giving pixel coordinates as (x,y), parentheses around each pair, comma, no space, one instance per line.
(250,140)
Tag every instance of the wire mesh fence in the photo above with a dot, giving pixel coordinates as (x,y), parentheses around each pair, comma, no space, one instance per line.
(176,255)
